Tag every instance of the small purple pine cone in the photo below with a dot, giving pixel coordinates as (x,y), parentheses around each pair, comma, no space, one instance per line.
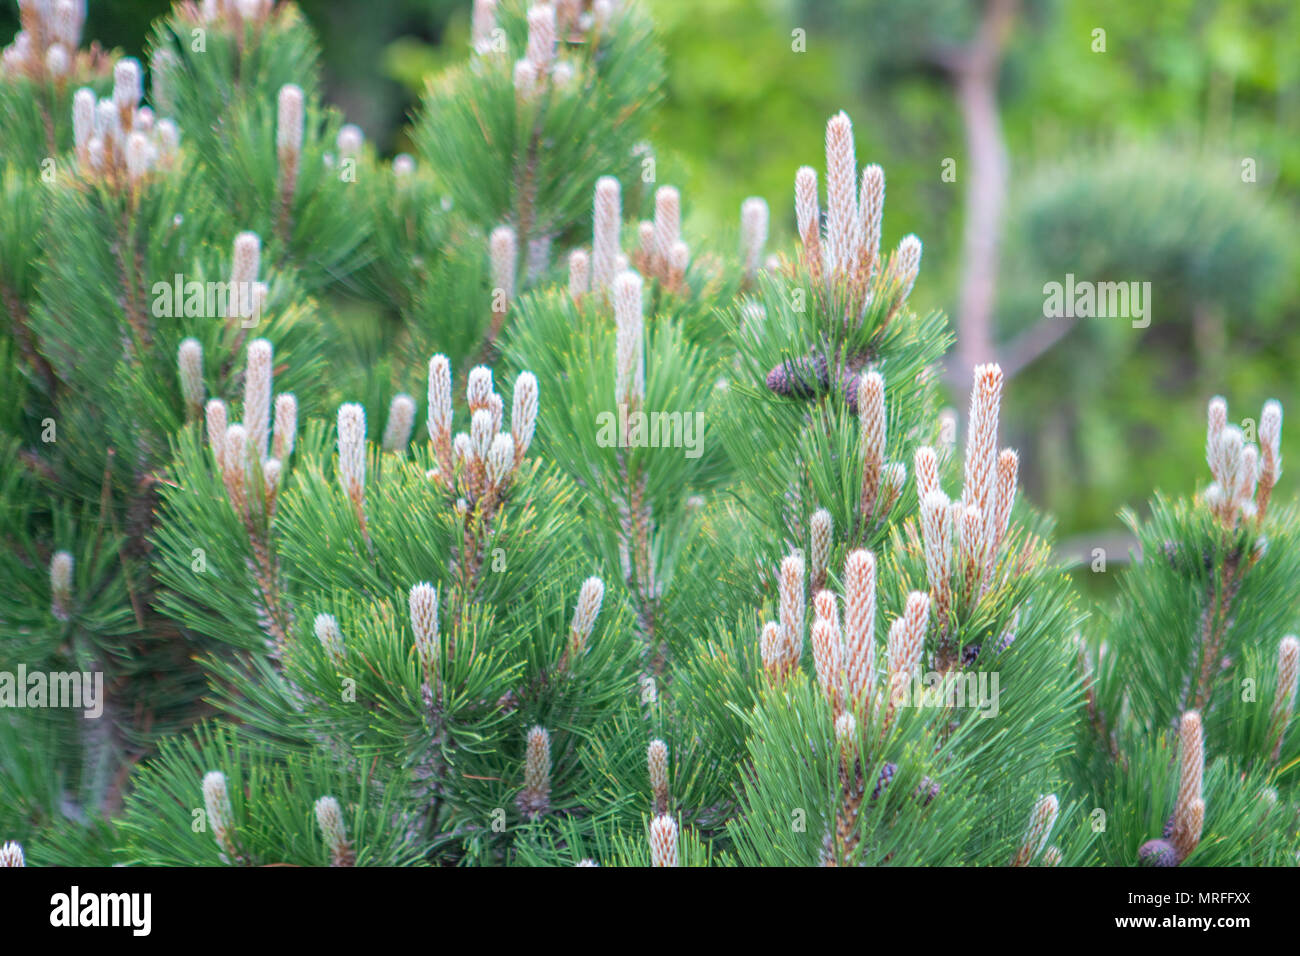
(778,380)
(927,791)
(532,804)
(849,380)
(969,654)
(821,370)
(1168,831)
(799,378)
(1157,853)
(886,774)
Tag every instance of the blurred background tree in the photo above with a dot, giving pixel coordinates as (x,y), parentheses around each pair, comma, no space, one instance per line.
(1140,145)
(1137,142)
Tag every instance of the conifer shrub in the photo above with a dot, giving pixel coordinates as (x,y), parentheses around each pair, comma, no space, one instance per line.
(603,543)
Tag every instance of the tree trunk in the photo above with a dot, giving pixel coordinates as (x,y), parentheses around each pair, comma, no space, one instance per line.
(975,78)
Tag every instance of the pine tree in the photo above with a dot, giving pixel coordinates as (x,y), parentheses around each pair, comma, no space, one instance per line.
(129,312)
(473,509)
(245,81)
(1195,660)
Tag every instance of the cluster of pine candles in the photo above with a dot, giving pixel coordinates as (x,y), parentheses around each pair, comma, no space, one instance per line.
(509,643)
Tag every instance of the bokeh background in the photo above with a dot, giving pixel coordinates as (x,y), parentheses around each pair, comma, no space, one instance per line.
(1164,149)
